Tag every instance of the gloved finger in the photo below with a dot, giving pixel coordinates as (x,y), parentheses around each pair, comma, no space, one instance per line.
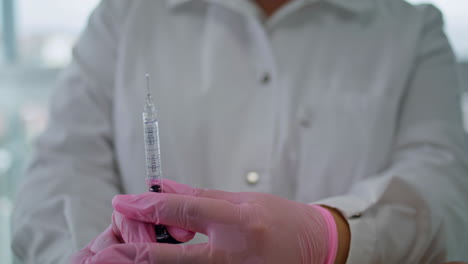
(187,212)
(103,241)
(232,197)
(128,230)
(169,186)
(175,187)
(132,231)
(180,234)
(179,188)
(153,253)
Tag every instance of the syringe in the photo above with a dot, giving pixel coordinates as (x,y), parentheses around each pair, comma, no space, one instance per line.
(153,158)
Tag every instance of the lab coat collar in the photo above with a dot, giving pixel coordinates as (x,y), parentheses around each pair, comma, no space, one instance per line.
(354,6)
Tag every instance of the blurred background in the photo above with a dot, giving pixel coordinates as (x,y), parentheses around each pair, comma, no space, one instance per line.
(36,38)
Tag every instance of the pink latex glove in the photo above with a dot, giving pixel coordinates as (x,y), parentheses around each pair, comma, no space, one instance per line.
(245,228)
(127,230)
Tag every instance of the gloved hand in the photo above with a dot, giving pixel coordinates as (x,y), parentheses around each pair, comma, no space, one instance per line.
(127,230)
(242,228)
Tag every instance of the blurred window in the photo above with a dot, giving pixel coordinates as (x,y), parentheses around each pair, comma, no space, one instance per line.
(45,30)
(36,38)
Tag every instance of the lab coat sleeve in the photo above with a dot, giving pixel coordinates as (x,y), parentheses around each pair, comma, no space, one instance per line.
(65,198)
(416,210)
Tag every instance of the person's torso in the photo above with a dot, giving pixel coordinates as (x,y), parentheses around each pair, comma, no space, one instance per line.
(307,101)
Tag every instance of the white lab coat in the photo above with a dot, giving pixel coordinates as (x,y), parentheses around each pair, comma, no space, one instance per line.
(353,104)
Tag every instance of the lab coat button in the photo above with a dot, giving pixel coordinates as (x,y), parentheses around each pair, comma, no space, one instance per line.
(266,78)
(305,123)
(252,177)
(356,215)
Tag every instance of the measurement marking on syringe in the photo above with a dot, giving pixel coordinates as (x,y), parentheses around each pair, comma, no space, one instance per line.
(151,133)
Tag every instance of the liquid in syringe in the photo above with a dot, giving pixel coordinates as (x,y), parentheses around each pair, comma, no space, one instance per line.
(152,146)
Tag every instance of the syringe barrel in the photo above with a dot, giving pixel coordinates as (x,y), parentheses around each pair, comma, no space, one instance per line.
(153,159)
(152,149)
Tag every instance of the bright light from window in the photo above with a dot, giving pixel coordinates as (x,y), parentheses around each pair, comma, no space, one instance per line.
(47,16)
(56,52)
(48,28)
(456,23)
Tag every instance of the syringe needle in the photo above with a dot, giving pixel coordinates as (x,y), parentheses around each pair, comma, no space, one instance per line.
(147,85)
(148,93)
